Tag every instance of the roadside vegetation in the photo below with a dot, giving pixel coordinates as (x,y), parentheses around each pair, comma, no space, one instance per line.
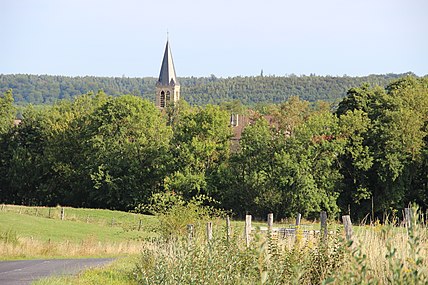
(376,254)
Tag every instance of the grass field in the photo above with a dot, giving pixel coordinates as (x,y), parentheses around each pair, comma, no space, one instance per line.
(378,254)
(29,232)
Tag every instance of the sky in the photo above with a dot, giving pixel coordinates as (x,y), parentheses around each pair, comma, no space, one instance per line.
(224,37)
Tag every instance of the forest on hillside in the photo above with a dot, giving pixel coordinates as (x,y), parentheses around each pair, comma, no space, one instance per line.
(46,89)
(368,156)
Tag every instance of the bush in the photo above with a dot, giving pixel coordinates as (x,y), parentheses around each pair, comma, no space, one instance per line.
(175,213)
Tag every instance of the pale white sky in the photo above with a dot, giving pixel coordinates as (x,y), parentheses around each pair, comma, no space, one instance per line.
(222,37)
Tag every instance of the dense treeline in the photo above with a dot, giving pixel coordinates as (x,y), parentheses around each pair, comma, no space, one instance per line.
(370,155)
(45,89)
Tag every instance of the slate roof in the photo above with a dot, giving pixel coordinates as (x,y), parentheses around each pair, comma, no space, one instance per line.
(167,72)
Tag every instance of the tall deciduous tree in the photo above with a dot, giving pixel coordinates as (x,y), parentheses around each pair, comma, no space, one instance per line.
(7,111)
(387,141)
(125,150)
(201,143)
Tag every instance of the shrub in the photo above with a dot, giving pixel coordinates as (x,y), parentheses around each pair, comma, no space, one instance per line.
(175,213)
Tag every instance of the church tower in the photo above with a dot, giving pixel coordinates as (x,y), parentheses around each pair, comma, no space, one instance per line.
(167,86)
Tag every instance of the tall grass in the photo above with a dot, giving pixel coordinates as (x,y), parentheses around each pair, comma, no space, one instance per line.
(383,254)
(25,248)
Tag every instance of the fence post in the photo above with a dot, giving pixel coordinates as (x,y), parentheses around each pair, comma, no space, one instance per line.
(247,229)
(298,218)
(62,213)
(209,231)
(49,213)
(324,231)
(139,224)
(408,217)
(190,233)
(228,228)
(348,226)
(270,222)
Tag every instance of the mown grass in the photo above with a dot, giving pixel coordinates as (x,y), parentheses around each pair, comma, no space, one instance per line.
(36,232)
(128,221)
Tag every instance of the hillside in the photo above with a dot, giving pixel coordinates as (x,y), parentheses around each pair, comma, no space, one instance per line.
(38,232)
(46,89)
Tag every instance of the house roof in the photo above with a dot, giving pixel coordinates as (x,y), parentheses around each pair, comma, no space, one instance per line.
(167,72)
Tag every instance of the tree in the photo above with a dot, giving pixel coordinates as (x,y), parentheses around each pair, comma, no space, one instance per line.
(290,171)
(7,111)
(291,114)
(307,169)
(247,181)
(200,144)
(387,135)
(126,148)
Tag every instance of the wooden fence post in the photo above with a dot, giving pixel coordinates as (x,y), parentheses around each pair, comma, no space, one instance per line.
(247,230)
(228,228)
(140,224)
(324,231)
(209,231)
(62,213)
(49,213)
(190,233)
(408,217)
(298,219)
(270,222)
(348,226)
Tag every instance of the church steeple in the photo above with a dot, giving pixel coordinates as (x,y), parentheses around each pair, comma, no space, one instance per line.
(167,86)
(167,72)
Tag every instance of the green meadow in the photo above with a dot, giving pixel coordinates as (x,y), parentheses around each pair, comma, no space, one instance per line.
(32,232)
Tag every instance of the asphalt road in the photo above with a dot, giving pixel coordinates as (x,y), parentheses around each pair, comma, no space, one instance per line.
(23,272)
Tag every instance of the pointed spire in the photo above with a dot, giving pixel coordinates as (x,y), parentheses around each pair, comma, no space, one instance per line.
(167,73)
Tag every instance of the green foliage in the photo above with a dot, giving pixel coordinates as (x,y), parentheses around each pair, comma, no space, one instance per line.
(199,146)
(175,213)
(7,111)
(222,262)
(386,134)
(290,168)
(45,89)
(115,152)
(126,141)
(97,151)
